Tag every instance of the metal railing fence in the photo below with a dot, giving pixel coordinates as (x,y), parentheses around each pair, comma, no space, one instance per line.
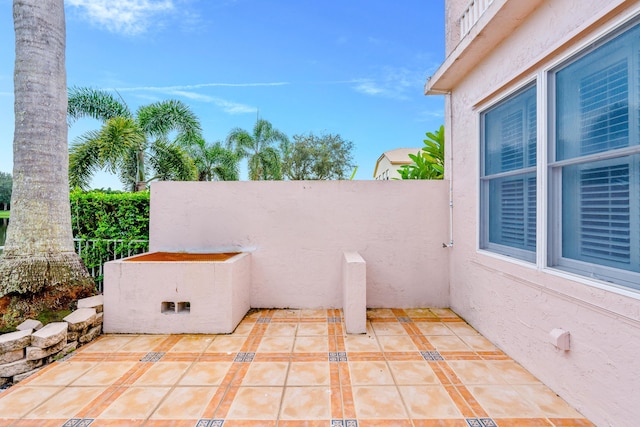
(96,252)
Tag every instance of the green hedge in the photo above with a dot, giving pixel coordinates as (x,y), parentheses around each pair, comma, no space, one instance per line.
(101,215)
(99,218)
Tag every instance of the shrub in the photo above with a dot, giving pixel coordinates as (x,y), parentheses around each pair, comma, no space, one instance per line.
(98,218)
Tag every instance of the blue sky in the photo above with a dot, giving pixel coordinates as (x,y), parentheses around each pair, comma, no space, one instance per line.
(352,67)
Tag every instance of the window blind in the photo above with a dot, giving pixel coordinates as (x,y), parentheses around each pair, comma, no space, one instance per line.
(605,215)
(604,109)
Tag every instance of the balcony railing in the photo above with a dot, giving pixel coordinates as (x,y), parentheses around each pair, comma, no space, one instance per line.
(472,14)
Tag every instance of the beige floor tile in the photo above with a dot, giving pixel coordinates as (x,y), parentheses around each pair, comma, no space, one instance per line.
(184,403)
(433,328)
(370,373)
(312,329)
(19,402)
(379,313)
(503,401)
(62,373)
(143,343)
(311,345)
(244,328)
(107,343)
(66,403)
(256,403)
(378,402)
(444,313)
(255,314)
(413,373)
(306,403)
(478,343)
(135,403)
(391,343)
(266,374)
(317,313)
(192,343)
(283,344)
(429,402)
(308,373)
(476,372)
(360,343)
(551,405)
(281,330)
(205,373)
(105,373)
(286,314)
(448,343)
(163,373)
(513,373)
(226,344)
(461,329)
(388,328)
(419,313)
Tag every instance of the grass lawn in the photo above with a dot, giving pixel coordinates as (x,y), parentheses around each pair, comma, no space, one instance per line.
(4,214)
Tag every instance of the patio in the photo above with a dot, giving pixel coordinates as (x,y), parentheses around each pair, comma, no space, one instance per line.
(414,367)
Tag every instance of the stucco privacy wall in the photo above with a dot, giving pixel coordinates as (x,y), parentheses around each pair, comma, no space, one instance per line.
(297,232)
(516,305)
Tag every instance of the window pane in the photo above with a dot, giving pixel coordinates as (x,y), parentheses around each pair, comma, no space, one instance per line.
(599,216)
(512,211)
(595,101)
(510,134)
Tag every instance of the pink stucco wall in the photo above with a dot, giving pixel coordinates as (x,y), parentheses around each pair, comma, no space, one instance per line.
(297,232)
(516,305)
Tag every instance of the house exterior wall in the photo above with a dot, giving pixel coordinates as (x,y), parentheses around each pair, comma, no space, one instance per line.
(297,232)
(516,304)
(385,170)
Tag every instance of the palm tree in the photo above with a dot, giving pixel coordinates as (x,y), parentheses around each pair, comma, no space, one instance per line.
(263,159)
(38,253)
(214,162)
(137,147)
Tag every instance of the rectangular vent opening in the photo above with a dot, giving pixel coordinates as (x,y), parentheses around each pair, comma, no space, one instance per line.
(168,307)
(184,307)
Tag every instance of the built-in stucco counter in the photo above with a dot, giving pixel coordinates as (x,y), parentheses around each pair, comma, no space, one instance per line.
(173,293)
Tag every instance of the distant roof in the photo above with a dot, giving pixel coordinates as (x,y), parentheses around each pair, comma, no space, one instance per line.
(398,156)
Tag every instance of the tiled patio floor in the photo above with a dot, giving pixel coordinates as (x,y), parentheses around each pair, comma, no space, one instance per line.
(418,367)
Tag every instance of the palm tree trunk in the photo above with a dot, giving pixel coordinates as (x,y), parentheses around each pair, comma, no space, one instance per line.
(38,252)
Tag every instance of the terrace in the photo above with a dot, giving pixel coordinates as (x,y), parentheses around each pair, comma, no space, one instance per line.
(413,367)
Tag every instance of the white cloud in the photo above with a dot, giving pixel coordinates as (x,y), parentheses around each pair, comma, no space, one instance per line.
(199,86)
(187,91)
(128,17)
(429,115)
(227,106)
(392,82)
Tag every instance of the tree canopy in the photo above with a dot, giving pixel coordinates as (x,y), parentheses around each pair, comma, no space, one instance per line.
(257,147)
(313,157)
(6,181)
(139,148)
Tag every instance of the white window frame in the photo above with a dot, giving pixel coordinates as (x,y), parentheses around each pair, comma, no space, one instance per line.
(548,197)
(521,255)
(554,259)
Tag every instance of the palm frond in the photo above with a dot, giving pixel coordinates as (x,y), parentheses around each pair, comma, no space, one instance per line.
(241,142)
(161,118)
(118,136)
(84,159)
(171,162)
(94,103)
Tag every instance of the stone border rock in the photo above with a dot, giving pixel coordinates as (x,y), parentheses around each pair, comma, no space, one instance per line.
(33,346)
